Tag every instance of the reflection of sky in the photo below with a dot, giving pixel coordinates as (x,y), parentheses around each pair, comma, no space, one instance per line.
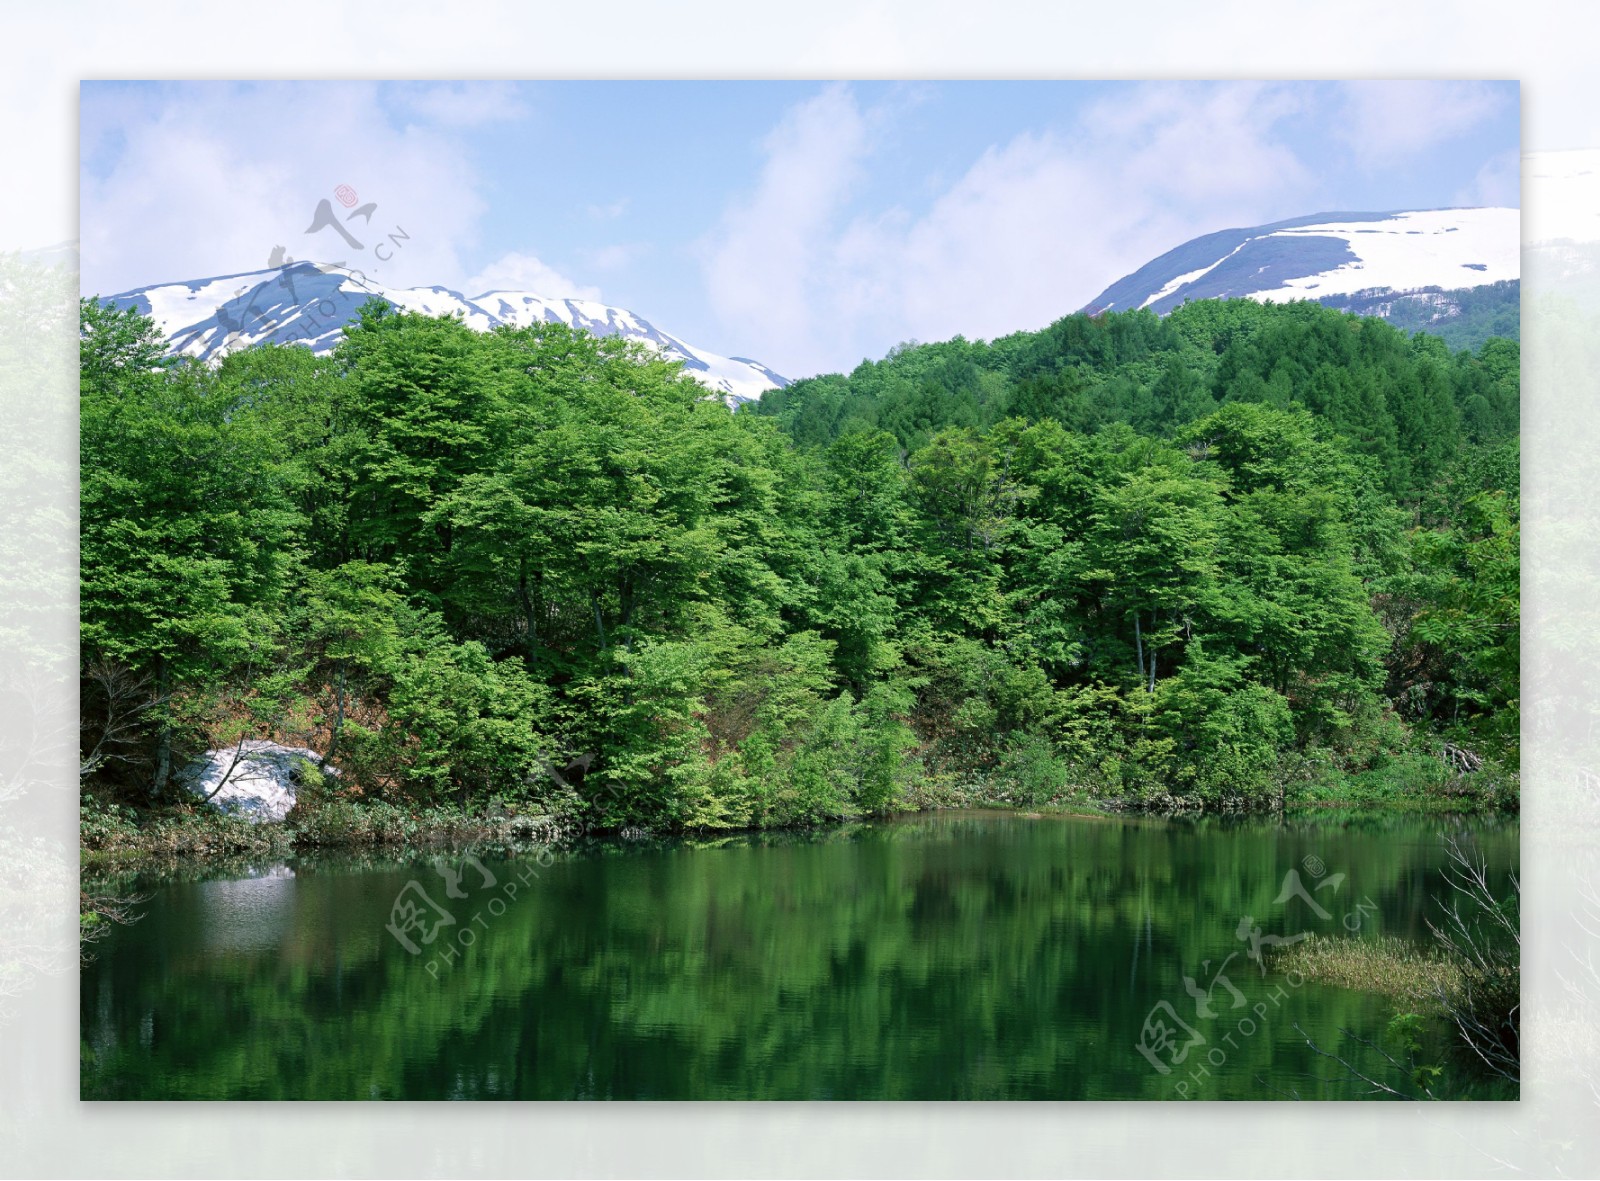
(247,914)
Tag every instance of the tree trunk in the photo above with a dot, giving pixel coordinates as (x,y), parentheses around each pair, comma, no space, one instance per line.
(529,614)
(625,595)
(338,716)
(164,736)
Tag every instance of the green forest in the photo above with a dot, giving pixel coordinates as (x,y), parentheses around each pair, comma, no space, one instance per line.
(1464,317)
(1243,556)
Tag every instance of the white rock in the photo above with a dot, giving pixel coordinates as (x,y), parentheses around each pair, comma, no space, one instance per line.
(256,777)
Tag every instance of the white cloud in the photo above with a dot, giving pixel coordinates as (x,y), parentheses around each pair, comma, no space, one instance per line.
(1390,120)
(610,211)
(1032,230)
(1199,142)
(206,184)
(760,263)
(524,272)
(1499,182)
(615,257)
(463,104)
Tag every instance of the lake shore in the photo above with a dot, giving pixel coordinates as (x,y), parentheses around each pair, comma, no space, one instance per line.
(118,838)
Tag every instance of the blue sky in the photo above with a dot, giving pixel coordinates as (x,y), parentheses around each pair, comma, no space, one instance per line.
(803,224)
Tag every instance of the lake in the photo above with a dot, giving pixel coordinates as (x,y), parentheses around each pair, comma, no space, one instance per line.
(953,955)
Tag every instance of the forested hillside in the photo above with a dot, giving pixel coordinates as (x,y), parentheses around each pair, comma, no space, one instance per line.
(1406,402)
(1238,554)
(1464,318)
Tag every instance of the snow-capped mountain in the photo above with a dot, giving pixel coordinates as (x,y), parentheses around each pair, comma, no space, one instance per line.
(310,303)
(1329,257)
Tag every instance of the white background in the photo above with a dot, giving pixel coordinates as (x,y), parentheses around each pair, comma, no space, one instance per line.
(45,1131)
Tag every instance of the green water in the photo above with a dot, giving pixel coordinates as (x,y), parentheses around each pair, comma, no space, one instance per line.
(963,955)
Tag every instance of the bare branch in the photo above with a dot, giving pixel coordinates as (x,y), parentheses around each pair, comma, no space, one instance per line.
(1372,1082)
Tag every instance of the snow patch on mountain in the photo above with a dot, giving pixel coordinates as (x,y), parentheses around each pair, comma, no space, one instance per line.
(1431,248)
(1328,254)
(1189,277)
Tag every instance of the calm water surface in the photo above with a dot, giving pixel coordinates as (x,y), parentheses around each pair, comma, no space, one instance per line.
(962,955)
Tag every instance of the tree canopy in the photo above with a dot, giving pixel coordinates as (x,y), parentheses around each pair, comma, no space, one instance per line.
(1151,558)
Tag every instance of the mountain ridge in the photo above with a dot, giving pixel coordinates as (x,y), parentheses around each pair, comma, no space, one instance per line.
(311,303)
(1328,257)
